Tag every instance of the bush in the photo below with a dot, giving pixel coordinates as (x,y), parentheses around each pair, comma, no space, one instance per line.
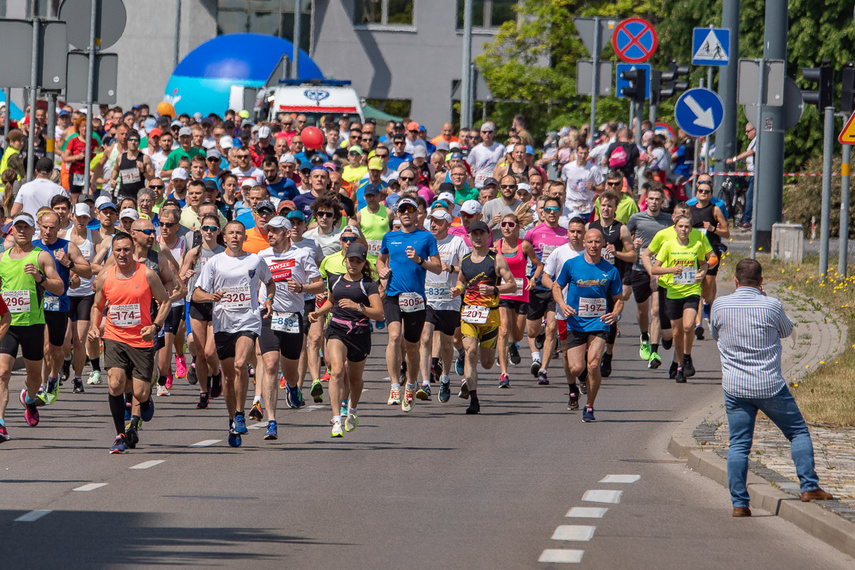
(803,199)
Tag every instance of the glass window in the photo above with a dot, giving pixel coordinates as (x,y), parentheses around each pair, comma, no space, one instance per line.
(231,22)
(400,12)
(368,12)
(488,13)
(264,23)
(502,11)
(384,12)
(271,17)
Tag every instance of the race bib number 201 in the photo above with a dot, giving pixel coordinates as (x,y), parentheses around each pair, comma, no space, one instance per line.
(475,314)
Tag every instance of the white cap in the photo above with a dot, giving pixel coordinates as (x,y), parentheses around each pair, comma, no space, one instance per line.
(81,209)
(352,229)
(447,197)
(278,222)
(179,174)
(441,214)
(524,186)
(471,207)
(263,132)
(226,142)
(249,182)
(287,158)
(26,218)
(101,201)
(185,132)
(420,152)
(129,213)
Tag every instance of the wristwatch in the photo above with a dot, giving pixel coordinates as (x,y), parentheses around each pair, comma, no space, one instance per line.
(361,307)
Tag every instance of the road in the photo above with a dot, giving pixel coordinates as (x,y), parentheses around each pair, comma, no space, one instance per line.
(430,489)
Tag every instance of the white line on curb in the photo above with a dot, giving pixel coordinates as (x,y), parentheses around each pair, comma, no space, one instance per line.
(620,478)
(561,556)
(587,512)
(573,532)
(602,496)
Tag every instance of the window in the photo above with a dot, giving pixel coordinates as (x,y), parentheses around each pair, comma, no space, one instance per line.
(383,12)
(488,13)
(270,17)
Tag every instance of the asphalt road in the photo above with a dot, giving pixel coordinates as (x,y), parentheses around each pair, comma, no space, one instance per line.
(430,489)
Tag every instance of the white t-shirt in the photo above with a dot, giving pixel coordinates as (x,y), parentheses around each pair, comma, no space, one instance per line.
(240,278)
(579,197)
(37,194)
(295,264)
(749,161)
(555,262)
(252,172)
(312,246)
(413,144)
(438,287)
(483,160)
(329,242)
(158,159)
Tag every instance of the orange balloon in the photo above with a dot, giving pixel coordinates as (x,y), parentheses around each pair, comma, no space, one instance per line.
(165,109)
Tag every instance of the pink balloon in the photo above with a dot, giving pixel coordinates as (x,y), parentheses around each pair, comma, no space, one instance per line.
(312,137)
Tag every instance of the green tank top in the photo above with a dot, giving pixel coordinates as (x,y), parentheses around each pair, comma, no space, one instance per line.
(374,227)
(20,292)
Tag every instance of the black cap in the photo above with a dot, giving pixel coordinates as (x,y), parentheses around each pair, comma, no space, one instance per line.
(211,184)
(44,165)
(478,225)
(371,189)
(490,182)
(357,249)
(398,137)
(446,187)
(399,125)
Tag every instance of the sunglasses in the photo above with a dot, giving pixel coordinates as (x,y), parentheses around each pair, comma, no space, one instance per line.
(612,183)
(209,228)
(406,209)
(146,231)
(465,215)
(355,153)
(704,191)
(414,131)
(157,186)
(406,178)
(168,225)
(212,159)
(509,225)
(552,209)
(508,186)
(134,140)
(400,142)
(325,214)
(348,239)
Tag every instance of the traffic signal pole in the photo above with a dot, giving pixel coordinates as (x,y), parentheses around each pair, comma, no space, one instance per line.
(725,136)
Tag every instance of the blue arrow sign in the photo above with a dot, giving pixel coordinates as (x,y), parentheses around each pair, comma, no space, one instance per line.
(710,46)
(699,112)
(621,83)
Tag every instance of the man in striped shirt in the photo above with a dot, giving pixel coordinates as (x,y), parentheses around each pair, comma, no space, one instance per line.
(748,327)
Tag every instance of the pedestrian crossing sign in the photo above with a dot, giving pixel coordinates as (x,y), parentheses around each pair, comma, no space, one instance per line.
(711,46)
(847,135)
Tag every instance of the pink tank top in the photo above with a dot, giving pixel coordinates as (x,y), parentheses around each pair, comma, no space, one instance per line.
(517,264)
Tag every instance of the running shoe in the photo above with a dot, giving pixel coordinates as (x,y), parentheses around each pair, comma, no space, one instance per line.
(535,367)
(705,311)
(326,376)
(699,332)
(148,412)
(234,438)
(458,365)
(474,407)
(317,391)
(343,408)
(644,350)
(542,380)
(217,384)
(250,369)
(380,325)
(672,372)
(203,402)
(191,374)
(539,340)
(688,366)
(588,414)
(444,392)
(169,381)
(394,396)
(271,432)
(120,446)
(336,429)
(52,391)
(94,378)
(129,405)
(77,386)
(514,353)
(464,390)
(680,377)
(66,371)
(435,371)
(240,424)
(504,381)
(295,395)
(667,343)
(31,414)
(573,402)
(402,377)
(255,412)
(606,365)
(132,437)
(282,382)
(162,391)
(180,367)
(351,422)
(423,393)
(409,401)
(654,362)
(4,435)
(583,384)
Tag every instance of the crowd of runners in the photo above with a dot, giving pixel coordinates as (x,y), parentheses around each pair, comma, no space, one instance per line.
(225,255)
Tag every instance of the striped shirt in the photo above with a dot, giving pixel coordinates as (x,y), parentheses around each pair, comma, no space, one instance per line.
(749,327)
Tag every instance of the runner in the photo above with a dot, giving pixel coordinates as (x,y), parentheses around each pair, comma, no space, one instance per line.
(353,299)
(283,331)
(125,292)
(405,258)
(26,272)
(230,280)
(513,307)
(590,282)
(174,331)
(373,220)
(709,219)
(483,277)
(683,262)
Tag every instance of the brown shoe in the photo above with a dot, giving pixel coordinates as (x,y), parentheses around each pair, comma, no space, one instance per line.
(741,512)
(816,495)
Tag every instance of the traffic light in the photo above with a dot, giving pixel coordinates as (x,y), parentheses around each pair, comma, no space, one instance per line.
(637,89)
(670,82)
(824,79)
(848,89)
(655,86)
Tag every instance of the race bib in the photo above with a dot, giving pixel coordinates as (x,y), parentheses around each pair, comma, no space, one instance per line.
(480,177)
(687,277)
(125,315)
(475,314)
(17,301)
(437,293)
(130,175)
(77,179)
(581,206)
(546,251)
(236,298)
(411,302)
(609,256)
(51,303)
(374,246)
(520,286)
(285,322)
(591,307)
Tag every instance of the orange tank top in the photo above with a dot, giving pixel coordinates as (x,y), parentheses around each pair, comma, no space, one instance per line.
(129,307)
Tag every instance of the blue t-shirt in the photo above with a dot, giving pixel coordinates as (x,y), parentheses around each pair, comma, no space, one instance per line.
(596,284)
(304,204)
(407,276)
(722,205)
(306,156)
(396,161)
(246,219)
(360,192)
(53,302)
(285,189)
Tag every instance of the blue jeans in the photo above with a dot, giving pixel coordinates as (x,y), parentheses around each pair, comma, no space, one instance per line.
(749,202)
(784,413)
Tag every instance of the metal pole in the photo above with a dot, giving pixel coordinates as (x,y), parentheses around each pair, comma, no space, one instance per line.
(637,133)
(466,79)
(631,113)
(50,135)
(295,67)
(34,91)
(761,97)
(825,222)
(843,256)
(176,47)
(90,95)
(725,136)
(8,93)
(651,114)
(595,79)
(709,168)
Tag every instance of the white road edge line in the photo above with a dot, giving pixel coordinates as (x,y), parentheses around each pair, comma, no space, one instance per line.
(602,496)
(206,442)
(90,487)
(587,512)
(620,478)
(147,464)
(574,532)
(561,556)
(32,516)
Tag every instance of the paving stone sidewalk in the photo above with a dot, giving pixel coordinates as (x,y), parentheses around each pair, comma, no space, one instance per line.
(817,336)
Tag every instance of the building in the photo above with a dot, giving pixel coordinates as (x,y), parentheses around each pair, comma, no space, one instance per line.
(406,51)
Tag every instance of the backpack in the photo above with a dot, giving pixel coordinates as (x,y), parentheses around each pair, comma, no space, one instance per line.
(618,158)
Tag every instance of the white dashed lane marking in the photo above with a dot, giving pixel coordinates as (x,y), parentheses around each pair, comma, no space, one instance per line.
(32,516)
(620,478)
(147,464)
(561,556)
(587,512)
(90,487)
(206,442)
(574,532)
(602,496)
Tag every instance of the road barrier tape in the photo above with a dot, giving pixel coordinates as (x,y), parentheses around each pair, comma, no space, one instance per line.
(799,174)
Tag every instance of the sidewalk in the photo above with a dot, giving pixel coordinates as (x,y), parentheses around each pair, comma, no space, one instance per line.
(772,481)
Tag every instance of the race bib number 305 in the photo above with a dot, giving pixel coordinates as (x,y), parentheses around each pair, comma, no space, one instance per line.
(285,322)
(17,301)
(125,315)
(236,298)
(591,307)
(411,302)
(475,314)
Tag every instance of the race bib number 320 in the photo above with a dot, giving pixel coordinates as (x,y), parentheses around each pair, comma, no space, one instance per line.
(411,302)
(591,307)
(236,298)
